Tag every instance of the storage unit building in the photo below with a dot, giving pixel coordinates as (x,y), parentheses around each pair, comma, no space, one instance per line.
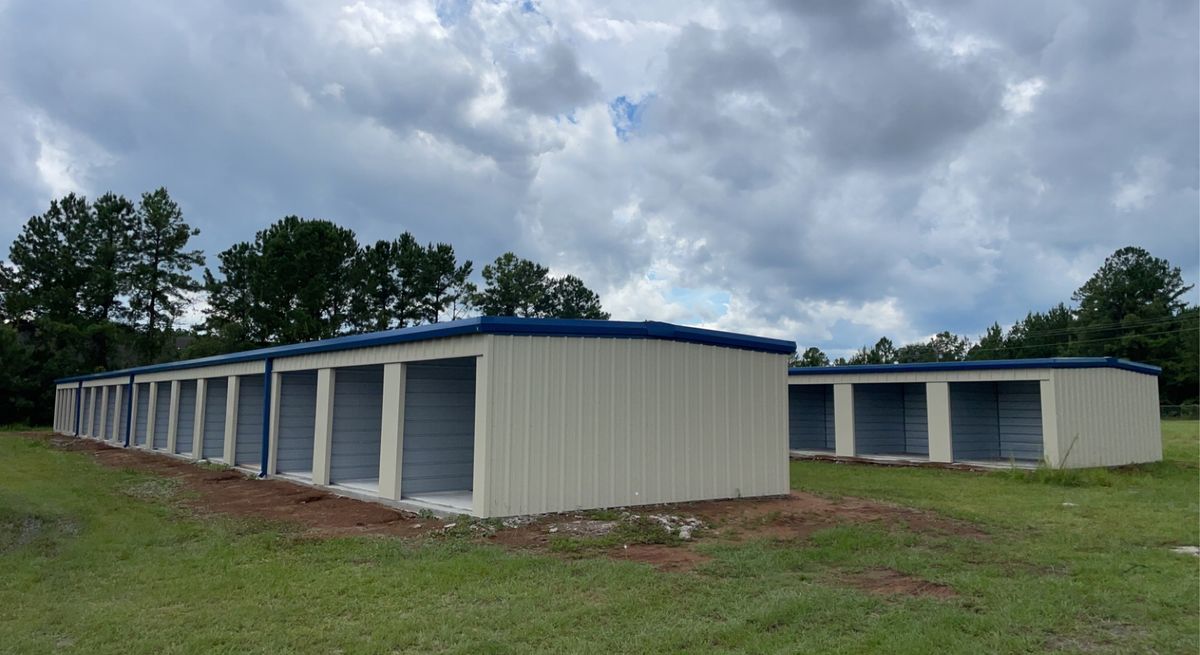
(1067,412)
(487,416)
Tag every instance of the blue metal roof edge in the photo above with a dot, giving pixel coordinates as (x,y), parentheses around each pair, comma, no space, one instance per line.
(502,325)
(983,365)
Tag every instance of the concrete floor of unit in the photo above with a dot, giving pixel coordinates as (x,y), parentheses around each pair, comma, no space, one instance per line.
(367,486)
(457,500)
(921,459)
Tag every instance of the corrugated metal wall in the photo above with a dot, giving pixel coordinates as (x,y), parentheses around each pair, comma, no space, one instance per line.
(142,415)
(185,422)
(297,416)
(357,422)
(810,417)
(248,440)
(162,414)
(891,419)
(214,418)
(439,426)
(1107,417)
(574,422)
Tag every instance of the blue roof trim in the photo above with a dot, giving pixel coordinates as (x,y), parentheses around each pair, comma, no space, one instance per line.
(983,365)
(503,325)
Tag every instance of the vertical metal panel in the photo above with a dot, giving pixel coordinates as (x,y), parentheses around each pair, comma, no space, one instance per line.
(185,423)
(1107,417)
(95,428)
(580,423)
(248,433)
(214,418)
(974,420)
(297,420)
(142,414)
(916,420)
(110,413)
(357,422)
(1019,414)
(810,417)
(878,419)
(439,426)
(162,414)
(122,425)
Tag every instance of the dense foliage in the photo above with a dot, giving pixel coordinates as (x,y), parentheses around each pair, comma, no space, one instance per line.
(1132,307)
(101,285)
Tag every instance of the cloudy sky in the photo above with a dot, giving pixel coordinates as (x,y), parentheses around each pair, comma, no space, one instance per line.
(827,171)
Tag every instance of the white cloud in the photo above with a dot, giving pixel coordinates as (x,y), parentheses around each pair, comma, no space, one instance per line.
(1134,191)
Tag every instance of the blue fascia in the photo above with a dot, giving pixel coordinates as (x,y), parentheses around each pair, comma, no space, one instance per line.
(501,325)
(983,365)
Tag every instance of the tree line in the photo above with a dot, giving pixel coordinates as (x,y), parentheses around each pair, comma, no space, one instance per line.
(1132,307)
(103,284)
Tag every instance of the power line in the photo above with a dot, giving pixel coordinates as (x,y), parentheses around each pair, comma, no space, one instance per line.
(1073,343)
(1116,326)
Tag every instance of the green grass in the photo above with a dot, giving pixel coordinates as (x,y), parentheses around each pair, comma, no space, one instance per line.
(97,560)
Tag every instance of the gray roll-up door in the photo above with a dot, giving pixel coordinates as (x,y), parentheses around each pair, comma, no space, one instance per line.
(1019,414)
(357,422)
(974,421)
(186,421)
(94,413)
(123,411)
(248,444)
(916,420)
(110,415)
(297,417)
(810,417)
(890,419)
(439,426)
(162,415)
(214,418)
(879,419)
(143,413)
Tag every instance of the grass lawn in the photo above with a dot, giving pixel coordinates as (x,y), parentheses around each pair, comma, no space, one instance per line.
(1076,563)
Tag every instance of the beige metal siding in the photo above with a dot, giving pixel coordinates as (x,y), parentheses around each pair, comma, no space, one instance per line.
(464,346)
(1106,417)
(997,375)
(581,423)
(218,371)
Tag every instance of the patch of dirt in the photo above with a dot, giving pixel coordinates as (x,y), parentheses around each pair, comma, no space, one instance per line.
(889,582)
(218,490)
(791,518)
(663,558)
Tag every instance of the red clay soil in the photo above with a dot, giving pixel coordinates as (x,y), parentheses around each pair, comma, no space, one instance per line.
(889,582)
(215,490)
(784,518)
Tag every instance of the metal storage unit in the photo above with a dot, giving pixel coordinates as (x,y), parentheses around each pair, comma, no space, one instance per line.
(296,422)
(248,433)
(439,430)
(810,417)
(141,415)
(185,421)
(1066,412)
(214,419)
(497,416)
(357,421)
(162,415)
(123,415)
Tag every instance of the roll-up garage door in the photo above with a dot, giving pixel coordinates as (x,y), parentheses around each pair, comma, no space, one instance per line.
(143,414)
(186,421)
(248,444)
(162,415)
(110,414)
(439,426)
(297,416)
(214,418)
(810,417)
(357,420)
